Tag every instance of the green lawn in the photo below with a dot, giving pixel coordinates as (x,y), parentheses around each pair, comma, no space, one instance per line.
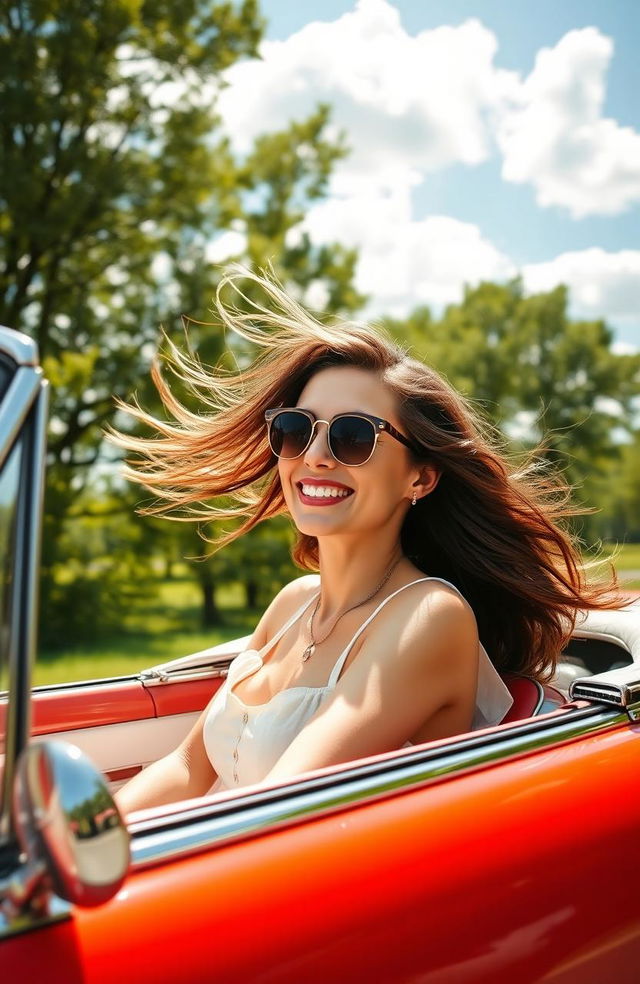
(168,627)
(628,558)
(626,561)
(165,629)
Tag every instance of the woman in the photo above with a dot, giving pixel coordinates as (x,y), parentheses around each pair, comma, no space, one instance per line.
(431,551)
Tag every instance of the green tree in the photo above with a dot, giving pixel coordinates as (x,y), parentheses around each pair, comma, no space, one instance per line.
(473,344)
(620,495)
(108,150)
(523,359)
(115,179)
(570,374)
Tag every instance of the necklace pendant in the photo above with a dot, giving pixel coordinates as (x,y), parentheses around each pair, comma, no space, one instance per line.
(308,652)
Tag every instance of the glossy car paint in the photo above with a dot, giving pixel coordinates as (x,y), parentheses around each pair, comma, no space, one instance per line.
(522,872)
(66,708)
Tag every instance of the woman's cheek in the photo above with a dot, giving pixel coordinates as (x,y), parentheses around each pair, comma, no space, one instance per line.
(287,489)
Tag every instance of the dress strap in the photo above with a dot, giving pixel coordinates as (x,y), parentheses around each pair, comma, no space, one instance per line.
(287,625)
(337,669)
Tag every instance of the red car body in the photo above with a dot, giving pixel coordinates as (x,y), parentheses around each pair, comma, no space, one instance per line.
(506,855)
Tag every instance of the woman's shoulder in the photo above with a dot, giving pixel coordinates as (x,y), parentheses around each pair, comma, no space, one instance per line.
(294,594)
(300,587)
(428,604)
(284,605)
(431,589)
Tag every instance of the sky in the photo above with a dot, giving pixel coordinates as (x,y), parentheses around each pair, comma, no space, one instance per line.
(487,139)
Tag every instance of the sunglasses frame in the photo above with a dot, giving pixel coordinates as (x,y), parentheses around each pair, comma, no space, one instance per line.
(378,424)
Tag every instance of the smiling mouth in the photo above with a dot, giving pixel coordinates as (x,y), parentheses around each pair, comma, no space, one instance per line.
(322,495)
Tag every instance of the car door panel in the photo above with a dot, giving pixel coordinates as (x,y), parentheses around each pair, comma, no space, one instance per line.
(496,875)
(183,696)
(121,750)
(122,725)
(104,702)
(82,705)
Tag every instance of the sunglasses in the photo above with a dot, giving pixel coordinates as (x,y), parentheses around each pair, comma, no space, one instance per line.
(351,437)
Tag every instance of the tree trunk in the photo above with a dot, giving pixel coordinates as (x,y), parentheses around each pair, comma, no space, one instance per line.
(251,593)
(168,564)
(210,610)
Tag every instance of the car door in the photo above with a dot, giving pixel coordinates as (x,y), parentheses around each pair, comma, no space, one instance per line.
(485,858)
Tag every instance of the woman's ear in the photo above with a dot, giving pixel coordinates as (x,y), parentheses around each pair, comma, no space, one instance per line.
(425,483)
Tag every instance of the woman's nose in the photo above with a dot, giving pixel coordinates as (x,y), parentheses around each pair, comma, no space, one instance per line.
(318,453)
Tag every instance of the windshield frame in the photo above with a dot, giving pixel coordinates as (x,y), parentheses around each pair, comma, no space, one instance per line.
(23,421)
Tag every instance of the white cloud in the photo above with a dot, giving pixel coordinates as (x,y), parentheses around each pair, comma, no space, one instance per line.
(620,347)
(522,426)
(405,262)
(408,104)
(555,137)
(411,105)
(317,295)
(229,245)
(414,104)
(161,266)
(606,404)
(601,284)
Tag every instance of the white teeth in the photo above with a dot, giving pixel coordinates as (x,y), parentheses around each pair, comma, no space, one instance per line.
(324,492)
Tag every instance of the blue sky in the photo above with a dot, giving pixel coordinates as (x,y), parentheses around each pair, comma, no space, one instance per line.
(487,138)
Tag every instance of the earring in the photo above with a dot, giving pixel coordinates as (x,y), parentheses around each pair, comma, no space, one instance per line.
(415,499)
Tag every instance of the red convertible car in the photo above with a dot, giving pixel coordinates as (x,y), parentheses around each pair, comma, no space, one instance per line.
(505,855)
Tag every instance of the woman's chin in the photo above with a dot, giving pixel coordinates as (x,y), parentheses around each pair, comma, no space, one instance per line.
(319,523)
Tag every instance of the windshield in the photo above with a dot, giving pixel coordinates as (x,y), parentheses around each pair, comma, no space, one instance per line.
(9,487)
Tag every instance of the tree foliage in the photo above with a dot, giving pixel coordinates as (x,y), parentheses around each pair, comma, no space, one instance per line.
(116,182)
(547,380)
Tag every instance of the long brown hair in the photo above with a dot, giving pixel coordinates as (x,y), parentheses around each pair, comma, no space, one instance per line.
(490,528)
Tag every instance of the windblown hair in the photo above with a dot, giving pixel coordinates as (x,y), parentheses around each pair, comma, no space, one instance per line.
(492,529)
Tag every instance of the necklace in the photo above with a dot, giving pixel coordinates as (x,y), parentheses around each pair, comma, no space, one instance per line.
(313,642)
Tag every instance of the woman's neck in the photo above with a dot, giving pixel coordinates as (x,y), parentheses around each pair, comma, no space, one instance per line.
(349,574)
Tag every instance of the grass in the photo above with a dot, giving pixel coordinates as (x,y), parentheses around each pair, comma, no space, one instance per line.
(169,627)
(165,629)
(627,559)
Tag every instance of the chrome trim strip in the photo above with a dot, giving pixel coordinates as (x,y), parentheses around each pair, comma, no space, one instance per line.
(22,349)
(218,656)
(612,689)
(47,688)
(155,678)
(16,404)
(214,824)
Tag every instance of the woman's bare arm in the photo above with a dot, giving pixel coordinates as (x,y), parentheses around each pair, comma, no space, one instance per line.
(182,774)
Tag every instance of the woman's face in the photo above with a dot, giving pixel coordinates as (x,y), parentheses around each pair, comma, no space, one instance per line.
(378,492)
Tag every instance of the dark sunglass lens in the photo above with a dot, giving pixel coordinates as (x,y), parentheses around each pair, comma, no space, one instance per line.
(289,434)
(352,439)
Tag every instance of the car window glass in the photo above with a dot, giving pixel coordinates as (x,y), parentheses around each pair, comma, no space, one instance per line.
(9,487)
(6,375)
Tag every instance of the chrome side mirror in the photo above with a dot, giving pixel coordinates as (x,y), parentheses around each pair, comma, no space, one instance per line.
(68,823)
